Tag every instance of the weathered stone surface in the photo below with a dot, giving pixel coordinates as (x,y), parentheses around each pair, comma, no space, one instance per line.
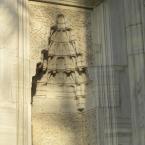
(64,128)
(8,71)
(117,34)
(54,109)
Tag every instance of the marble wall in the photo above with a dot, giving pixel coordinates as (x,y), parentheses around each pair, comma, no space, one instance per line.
(123,24)
(116,108)
(134,26)
(8,71)
(110,67)
(13,78)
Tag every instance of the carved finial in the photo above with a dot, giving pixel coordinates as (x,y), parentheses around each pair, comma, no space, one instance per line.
(61,21)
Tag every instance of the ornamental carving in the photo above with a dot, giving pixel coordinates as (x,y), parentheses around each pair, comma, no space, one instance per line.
(63,63)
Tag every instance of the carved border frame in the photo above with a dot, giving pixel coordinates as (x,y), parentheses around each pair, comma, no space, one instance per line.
(24,80)
(24,136)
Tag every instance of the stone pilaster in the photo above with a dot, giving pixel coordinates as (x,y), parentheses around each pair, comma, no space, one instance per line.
(134,26)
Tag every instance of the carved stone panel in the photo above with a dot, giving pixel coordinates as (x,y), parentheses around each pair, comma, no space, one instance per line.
(55,119)
(43,16)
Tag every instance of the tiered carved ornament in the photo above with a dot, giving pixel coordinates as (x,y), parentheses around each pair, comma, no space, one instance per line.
(63,63)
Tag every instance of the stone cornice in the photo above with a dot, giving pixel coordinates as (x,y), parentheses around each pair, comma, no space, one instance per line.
(88,4)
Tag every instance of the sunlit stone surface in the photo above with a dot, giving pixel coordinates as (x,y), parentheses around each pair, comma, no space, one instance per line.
(115,102)
(8,71)
(58,98)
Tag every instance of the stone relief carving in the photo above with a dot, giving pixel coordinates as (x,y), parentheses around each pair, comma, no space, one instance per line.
(55,119)
(44,18)
(63,63)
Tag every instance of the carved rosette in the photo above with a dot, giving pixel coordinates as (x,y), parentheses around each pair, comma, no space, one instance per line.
(63,63)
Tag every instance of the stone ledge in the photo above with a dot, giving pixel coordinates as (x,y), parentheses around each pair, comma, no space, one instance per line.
(73,3)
